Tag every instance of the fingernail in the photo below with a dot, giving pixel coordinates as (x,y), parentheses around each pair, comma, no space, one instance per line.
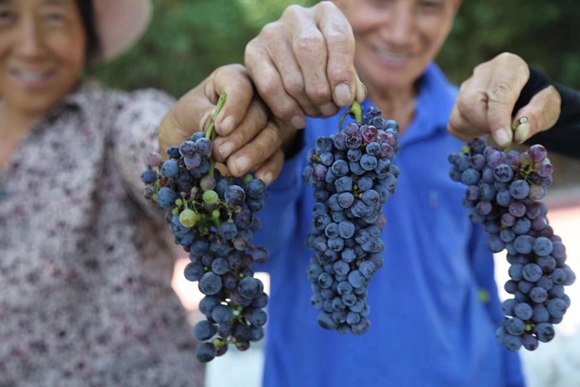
(523,132)
(227,125)
(242,164)
(342,95)
(502,137)
(328,109)
(268,178)
(298,122)
(226,149)
(361,98)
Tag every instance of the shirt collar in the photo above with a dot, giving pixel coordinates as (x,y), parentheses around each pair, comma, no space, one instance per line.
(81,95)
(433,106)
(80,99)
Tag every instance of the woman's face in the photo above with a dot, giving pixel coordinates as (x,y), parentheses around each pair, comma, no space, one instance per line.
(396,39)
(42,52)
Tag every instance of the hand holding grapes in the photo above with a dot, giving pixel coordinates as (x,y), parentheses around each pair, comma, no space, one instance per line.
(248,141)
(485,103)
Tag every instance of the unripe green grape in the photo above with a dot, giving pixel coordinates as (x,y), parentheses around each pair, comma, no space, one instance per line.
(210,197)
(188,218)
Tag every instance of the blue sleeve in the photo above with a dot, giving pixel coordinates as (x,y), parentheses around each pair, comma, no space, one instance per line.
(280,216)
(483,269)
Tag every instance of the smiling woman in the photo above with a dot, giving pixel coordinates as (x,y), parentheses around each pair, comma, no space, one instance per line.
(60,323)
(85,262)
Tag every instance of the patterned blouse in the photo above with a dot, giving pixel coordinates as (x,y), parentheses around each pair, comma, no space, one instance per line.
(85,261)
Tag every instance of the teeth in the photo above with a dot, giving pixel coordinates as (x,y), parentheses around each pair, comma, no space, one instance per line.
(392,56)
(31,77)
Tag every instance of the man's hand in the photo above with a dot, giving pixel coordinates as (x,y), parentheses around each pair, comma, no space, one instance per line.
(303,64)
(486,101)
(248,140)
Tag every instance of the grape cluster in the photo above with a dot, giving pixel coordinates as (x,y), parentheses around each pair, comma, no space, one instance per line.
(212,217)
(503,193)
(353,175)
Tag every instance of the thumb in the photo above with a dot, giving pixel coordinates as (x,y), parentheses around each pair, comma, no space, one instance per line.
(542,113)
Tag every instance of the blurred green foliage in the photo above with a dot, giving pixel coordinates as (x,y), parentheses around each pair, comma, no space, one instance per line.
(187,39)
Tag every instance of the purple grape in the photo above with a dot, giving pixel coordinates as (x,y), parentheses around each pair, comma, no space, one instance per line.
(235,195)
(187,148)
(369,133)
(519,189)
(537,153)
(503,173)
(530,342)
(538,295)
(517,209)
(544,169)
(470,176)
(339,140)
(154,160)
(204,146)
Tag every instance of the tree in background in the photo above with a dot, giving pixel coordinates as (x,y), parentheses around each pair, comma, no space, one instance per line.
(188,39)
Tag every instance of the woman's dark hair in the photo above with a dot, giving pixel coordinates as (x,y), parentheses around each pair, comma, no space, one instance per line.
(88,18)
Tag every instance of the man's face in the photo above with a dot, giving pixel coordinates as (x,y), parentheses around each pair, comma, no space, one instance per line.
(396,39)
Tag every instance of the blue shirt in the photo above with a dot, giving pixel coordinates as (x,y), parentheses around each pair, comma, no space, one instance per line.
(428,325)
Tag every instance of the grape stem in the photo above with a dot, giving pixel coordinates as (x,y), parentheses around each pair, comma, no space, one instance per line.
(354,109)
(211,135)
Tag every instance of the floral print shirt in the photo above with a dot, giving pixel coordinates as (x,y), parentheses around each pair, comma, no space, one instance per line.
(85,261)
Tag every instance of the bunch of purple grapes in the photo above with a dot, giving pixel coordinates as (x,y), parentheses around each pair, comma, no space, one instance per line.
(212,217)
(503,193)
(353,175)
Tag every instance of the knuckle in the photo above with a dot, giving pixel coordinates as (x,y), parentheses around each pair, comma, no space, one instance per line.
(269,30)
(325,6)
(464,86)
(508,58)
(267,85)
(308,43)
(235,68)
(251,51)
(480,68)
(284,112)
(500,91)
(340,39)
(260,115)
(466,104)
(293,11)
(294,86)
(505,57)
(271,137)
(319,94)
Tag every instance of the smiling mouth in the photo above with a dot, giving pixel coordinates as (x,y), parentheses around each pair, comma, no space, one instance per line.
(393,57)
(32,78)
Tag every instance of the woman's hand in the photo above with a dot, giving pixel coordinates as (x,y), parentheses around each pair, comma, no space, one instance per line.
(303,64)
(485,103)
(248,140)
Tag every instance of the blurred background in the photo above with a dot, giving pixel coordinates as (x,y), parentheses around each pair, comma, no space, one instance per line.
(188,39)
